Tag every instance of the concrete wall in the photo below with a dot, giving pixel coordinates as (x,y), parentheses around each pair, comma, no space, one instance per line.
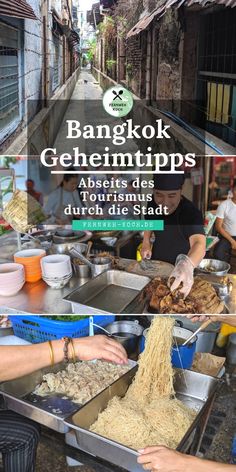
(44,127)
(33,61)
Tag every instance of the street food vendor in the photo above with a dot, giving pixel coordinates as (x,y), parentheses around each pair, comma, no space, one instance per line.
(183,240)
(19,436)
(65,194)
(163,459)
(226,227)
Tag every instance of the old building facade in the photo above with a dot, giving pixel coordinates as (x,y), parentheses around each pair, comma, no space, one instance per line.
(38,54)
(176,55)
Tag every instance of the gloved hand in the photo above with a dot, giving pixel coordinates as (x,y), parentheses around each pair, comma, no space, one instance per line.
(182,273)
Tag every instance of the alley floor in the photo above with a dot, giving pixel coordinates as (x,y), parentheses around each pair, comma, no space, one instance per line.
(86,107)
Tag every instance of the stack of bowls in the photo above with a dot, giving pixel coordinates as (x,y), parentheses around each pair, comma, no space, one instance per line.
(12,279)
(56,270)
(30,259)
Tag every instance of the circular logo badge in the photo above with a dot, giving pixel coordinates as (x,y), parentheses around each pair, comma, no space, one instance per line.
(118,101)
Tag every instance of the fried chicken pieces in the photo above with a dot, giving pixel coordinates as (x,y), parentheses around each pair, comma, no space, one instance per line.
(202,298)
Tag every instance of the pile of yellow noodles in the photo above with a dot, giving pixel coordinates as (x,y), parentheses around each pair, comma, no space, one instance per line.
(148,414)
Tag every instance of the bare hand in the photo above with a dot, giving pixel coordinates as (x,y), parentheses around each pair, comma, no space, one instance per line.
(100,347)
(162,459)
(201,318)
(228,319)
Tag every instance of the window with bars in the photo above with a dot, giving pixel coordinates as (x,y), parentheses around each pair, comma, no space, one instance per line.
(10,114)
(217,73)
(56,63)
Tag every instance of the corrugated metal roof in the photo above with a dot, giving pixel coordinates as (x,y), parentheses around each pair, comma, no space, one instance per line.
(145,21)
(203,3)
(17,9)
(74,38)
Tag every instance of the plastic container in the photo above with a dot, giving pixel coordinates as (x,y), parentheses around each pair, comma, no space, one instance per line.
(30,259)
(38,329)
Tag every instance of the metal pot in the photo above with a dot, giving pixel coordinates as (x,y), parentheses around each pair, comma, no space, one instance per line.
(98,265)
(213,266)
(182,356)
(81,270)
(127,333)
(231,350)
(66,247)
(66,236)
(205,339)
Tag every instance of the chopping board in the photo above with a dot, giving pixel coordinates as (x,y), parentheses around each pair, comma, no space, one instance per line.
(158,268)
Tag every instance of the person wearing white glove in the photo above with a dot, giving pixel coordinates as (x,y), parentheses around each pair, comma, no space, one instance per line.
(182,275)
(183,241)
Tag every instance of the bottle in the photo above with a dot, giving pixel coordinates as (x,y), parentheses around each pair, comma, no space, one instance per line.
(223,336)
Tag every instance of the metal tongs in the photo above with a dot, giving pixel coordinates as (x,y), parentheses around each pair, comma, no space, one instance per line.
(146,264)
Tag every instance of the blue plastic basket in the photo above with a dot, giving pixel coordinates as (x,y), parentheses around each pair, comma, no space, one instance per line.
(38,329)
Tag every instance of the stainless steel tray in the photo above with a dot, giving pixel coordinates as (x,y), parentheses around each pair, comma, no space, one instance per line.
(113,292)
(193,389)
(50,410)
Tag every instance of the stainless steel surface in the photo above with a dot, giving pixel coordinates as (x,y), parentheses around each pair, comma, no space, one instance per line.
(213,266)
(66,247)
(6,332)
(193,389)
(131,334)
(50,410)
(39,298)
(17,394)
(112,292)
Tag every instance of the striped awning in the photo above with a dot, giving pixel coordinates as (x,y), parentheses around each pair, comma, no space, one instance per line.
(17,9)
